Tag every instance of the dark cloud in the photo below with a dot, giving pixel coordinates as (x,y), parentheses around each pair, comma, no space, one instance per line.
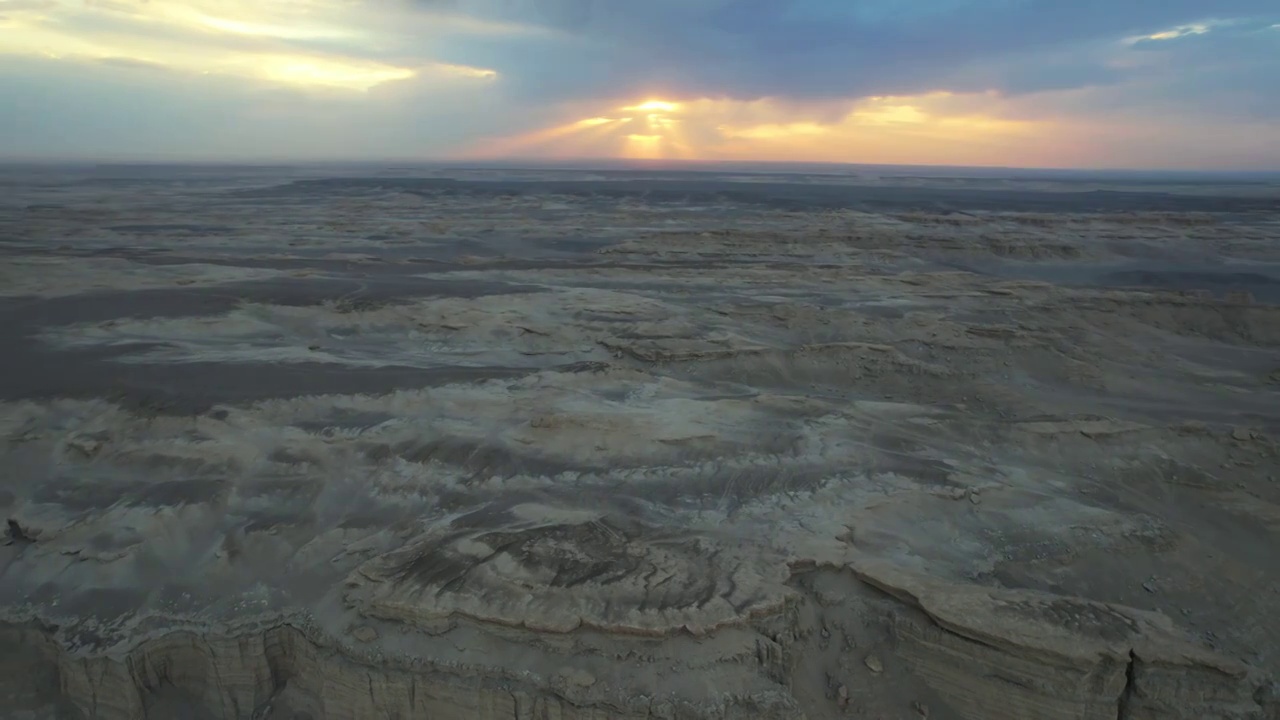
(820,48)
(1227,73)
(1219,80)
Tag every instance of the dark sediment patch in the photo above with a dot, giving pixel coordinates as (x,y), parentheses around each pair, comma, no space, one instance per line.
(191,388)
(1263,283)
(1262,287)
(24,316)
(166,228)
(29,369)
(794,196)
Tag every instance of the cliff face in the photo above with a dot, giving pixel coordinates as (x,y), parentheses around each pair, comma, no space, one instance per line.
(870,635)
(280,673)
(997,654)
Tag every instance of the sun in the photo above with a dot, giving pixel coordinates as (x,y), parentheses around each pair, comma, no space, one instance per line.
(646,130)
(653,106)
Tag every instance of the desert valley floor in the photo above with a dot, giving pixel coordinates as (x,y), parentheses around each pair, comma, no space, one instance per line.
(478,444)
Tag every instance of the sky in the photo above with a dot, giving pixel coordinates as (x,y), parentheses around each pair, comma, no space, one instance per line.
(1162,84)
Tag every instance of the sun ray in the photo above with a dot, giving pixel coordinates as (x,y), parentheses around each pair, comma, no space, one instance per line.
(637,146)
(585,129)
(678,141)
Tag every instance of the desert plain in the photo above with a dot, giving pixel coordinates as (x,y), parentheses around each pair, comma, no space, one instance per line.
(445,443)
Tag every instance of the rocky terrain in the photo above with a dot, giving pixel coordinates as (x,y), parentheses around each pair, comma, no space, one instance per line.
(277,446)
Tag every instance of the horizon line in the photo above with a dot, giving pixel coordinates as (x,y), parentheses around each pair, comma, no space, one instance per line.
(516,163)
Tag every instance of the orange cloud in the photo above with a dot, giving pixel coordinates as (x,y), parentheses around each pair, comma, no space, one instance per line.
(933,128)
(654,134)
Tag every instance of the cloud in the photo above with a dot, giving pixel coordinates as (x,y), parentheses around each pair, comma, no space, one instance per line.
(938,128)
(304,43)
(131,63)
(112,110)
(1219,72)
(823,48)
(1129,82)
(1139,79)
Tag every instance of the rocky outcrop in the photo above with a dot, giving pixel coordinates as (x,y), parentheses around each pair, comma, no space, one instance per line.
(987,654)
(284,672)
(600,573)
(998,654)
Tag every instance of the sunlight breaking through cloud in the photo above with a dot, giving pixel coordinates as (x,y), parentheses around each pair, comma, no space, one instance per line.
(965,81)
(274,42)
(894,129)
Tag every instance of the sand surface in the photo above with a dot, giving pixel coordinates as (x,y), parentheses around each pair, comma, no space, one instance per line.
(572,445)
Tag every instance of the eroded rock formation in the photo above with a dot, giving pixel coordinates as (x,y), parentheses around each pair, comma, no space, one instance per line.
(361,455)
